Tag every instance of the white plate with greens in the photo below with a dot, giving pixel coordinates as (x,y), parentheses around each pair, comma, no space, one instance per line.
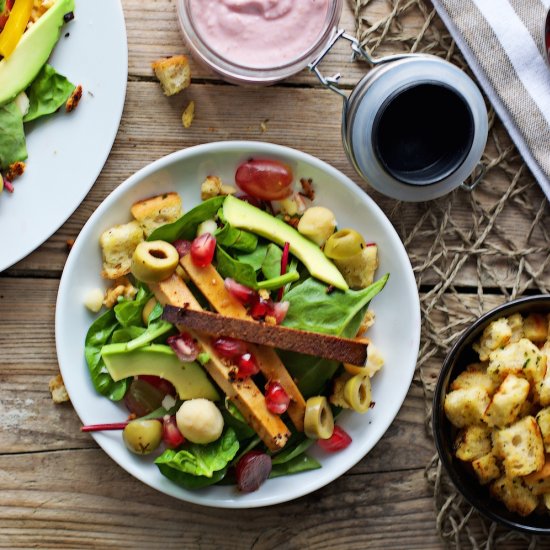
(66,151)
(396,331)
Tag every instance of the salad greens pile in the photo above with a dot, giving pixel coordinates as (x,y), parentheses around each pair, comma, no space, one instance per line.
(255,262)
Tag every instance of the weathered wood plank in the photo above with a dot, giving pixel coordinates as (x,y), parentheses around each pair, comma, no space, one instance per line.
(305,119)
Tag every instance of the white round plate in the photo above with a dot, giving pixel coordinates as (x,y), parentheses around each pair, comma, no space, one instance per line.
(396,331)
(68,150)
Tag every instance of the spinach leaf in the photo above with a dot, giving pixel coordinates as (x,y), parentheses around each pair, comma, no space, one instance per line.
(228,267)
(126,334)
(12,135)
(312,308)
(233,418)
(153,331)
(238,239)
(279,281)
(271,266)
(291,451)
(256,258)
(199,465)
(186,226)
(301,463)
(2,5)
(97,336)
(128,312)
(48,91)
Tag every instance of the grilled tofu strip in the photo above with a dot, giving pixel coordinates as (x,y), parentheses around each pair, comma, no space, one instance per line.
(211,284)
(244,394)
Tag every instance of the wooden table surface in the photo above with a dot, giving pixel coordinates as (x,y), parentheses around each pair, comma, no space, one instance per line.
(57,487)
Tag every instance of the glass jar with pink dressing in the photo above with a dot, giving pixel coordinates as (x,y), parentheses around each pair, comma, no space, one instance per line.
(257,41)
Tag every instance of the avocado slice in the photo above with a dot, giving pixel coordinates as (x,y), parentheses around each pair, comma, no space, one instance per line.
(189,379)
(32,51)
(243,215)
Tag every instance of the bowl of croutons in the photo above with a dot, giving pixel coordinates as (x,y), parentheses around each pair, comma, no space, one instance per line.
(491,414)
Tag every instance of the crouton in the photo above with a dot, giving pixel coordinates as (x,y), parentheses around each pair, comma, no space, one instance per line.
(486,468)
(546,500)
(211,187)
(58,390)
(543,420)
(465,407)
(520,446)
(156,211)
(74,99)
(337,396)
(535,327)
(117,245)
(359,270)
(473,377)
(516,324)
(173,73)
(521,358)
(121,287)
(473,442)
(514,495)
(539,482)
(506,402)
(496,335)
(188,115)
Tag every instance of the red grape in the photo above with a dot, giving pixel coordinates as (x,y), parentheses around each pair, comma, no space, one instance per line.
(265,179)
(252,470)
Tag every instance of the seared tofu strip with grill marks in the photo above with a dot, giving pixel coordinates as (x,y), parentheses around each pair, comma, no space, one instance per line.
(211,284)
(244,394)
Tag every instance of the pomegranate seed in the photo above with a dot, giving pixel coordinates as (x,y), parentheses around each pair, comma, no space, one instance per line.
(252,470)
(170,433)
(276,398)
(202,250)
(160,383)
(279,311)
(336,442)
(183,247)
(260,308)
(247,366)
(229,347)
(244,294)
(185,347)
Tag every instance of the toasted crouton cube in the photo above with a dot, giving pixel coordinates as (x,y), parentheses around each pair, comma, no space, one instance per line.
(473,377)
(58,390)
(359,270)
(486,468)
(539,482)
(535,327)
(473,442)
(543,420)
(173,73)
(521,358)
(516,324)
(515,495)
(337,396)
(520,446)
(465,407)
(211,187)
(496,335)
(156,211)
(546,500)
(506,402)
(118,245)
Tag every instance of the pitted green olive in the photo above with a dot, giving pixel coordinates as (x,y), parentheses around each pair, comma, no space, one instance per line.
(343,244)
(154,261)
(318,420)
(142,436)
(357,392)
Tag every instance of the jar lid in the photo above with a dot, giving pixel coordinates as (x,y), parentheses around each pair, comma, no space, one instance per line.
(415,128)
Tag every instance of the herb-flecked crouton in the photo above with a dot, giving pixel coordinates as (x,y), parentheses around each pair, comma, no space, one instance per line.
(473,442)
(465,407)
(486,468)
(515,495)
(495,336)
(507,401)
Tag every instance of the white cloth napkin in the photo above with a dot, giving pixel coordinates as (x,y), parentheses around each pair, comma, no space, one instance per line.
(502,41)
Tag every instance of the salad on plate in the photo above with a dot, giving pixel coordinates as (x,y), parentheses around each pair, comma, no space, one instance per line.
(234,333)
(30,88)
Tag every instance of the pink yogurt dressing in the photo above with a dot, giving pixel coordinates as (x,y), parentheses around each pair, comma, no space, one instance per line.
(259,33)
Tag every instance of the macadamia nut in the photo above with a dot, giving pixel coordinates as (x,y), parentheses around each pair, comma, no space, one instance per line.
(199,421)
(317,224)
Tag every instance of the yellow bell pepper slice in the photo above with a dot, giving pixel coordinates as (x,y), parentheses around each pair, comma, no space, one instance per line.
(15,26)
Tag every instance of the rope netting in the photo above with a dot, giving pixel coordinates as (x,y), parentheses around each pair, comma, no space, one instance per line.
(469,250)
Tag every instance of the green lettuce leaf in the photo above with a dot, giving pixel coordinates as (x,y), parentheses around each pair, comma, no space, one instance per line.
(48,91)
(12,135)
(256,258)
(239,271)
(238,239)
(301,463)
(271,266)
(128,312)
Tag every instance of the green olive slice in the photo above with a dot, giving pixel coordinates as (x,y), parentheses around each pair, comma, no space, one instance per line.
(357,393)
(343,244)
(142,436)
(318,420)
(154,261)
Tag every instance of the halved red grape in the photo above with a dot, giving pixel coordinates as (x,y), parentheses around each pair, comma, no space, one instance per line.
(247,366)
(202,249)
(229,347)
(160,383)
(185,346)
(265,179)
(336,442)
(252,470)
(170,433)
(142,398)
(276,398)
(244,294)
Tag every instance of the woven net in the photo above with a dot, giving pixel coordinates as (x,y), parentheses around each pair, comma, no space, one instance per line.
(469,251)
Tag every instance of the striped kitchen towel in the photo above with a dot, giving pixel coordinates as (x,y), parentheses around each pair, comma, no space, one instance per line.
(502,41)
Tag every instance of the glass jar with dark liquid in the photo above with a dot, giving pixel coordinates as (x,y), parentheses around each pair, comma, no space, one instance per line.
(414,127)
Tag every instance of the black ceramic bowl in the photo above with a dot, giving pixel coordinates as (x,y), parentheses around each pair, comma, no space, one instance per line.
(465,480)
